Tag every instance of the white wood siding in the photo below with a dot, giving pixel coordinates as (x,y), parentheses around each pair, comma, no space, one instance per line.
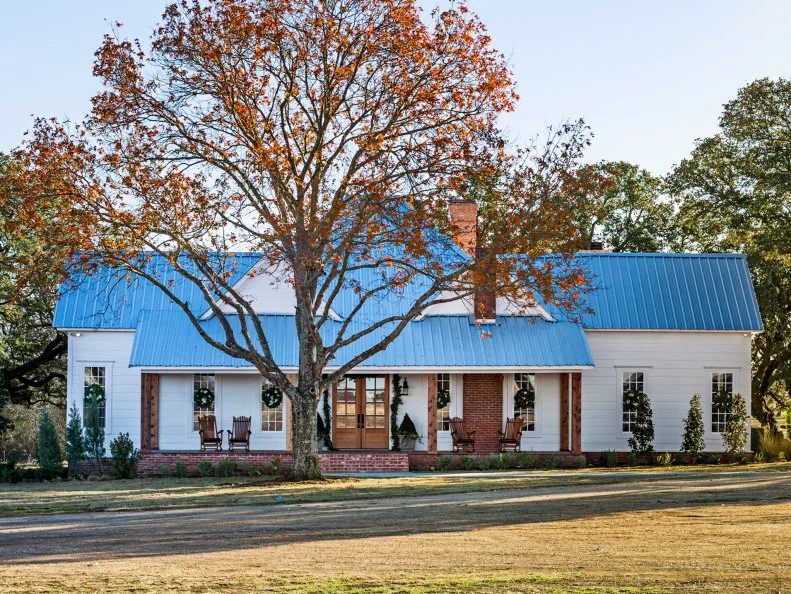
(546,437)
(236,395)
(677,365)
(109,349)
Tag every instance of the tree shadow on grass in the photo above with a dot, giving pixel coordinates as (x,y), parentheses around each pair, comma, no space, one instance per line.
(106,536)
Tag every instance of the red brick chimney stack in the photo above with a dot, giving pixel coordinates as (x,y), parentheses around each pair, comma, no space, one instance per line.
(464,216)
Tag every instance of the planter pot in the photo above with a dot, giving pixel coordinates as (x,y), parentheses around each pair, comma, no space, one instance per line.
(408,444)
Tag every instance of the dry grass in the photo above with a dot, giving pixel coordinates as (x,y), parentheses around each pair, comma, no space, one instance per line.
(171,493)
(703,531)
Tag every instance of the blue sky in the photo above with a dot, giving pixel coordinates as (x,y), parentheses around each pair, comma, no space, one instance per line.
(649,77)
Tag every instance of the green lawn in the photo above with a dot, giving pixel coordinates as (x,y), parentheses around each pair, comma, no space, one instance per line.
(722,529)
(169,493)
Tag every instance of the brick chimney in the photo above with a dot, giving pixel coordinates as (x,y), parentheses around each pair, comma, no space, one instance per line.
(464,216)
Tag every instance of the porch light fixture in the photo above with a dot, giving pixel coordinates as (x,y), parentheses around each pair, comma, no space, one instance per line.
(405,389)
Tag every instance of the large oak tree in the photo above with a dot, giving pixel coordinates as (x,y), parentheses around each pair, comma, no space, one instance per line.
(326,135)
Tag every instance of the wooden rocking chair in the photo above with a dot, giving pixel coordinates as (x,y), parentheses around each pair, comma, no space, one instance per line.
(208,433)
(511,438)
(240,434)
(461,437)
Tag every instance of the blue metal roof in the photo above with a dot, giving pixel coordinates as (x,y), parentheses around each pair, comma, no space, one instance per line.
(109,299)
(670,292)
(167,339)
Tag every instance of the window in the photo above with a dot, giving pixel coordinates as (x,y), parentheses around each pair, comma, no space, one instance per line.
(720,382)
(631,381)
(203,380)
(443,414)
(271,418)
(96,376)
(526,381)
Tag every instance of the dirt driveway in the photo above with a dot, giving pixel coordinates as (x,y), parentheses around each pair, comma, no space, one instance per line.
(717,529)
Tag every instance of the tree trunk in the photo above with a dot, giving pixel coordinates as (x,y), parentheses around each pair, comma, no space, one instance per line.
(304,446)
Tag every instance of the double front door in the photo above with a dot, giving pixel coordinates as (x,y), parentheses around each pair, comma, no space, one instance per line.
(359,410)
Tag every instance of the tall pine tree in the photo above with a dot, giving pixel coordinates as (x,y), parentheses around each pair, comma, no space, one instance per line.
(75,442)
(50,456)
(694,429)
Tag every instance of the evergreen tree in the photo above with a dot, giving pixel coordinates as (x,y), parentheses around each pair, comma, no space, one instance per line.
(694,429)
(642,437)
(50,456)
(75,442)
(94,434)
(735,436)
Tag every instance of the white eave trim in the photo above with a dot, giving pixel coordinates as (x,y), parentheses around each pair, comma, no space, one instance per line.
(363,370)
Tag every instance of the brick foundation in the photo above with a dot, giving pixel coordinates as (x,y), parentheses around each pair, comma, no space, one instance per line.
(483,409)
(161,463)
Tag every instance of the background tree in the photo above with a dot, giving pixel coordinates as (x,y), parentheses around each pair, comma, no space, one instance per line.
(735,193)
(694,441)
(32,354)
(328,136)
(628,210)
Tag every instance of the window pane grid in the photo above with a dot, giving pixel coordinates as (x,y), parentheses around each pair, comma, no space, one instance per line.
(443,414)
(346,403)
(720,382)
(95,376)
(526,381)
(202,380)
(271,418)
(632,381)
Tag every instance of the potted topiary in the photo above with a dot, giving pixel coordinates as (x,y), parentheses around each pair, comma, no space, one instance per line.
(408,434)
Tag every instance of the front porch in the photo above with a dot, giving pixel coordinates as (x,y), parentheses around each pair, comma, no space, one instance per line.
(360,410)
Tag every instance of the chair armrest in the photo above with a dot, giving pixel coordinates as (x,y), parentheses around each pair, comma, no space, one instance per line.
(470,433)
(249,432)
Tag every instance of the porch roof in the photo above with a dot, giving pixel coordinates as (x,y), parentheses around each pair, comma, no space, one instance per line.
(167,339)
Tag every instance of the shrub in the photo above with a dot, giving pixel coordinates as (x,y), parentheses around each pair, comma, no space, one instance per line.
(787,450)
(467,462)
(124,456)
(631,459)
(760,457)
(665,459)
(8,471)
(50,456)
(180,471)
(643,431)
(164,469)
(712,459)
(276,467)
(253,470)
(226,467)
(609,458)
(407,431)
(579,462)
(735,436)
(75,442)
(94,434)
(444,463)
(205,468)
(694,429)
(502,462)
(525,460)
(551,463)
(772,445)
(484,463)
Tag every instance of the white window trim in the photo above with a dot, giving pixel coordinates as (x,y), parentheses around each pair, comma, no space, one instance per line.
(707,403)
(508,405)
(647,388)
(108,390)
(258,429)
(455,406)
(190,430)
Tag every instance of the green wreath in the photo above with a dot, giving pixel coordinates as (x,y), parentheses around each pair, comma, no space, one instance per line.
(271,396)
(203,398)
(94,392)
(524,398)
(443,398)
